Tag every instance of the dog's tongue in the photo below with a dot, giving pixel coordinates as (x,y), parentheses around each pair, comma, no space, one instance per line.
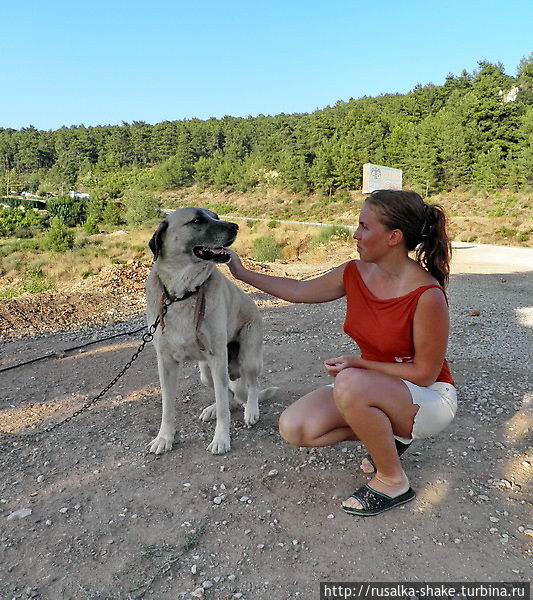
(217,250)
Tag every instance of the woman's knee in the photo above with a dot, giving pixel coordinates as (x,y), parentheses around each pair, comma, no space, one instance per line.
(291,428)
(349,389)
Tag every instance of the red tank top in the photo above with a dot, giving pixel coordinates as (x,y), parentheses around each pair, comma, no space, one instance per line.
(383,329)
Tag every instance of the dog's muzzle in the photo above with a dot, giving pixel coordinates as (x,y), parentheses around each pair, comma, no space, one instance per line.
(218,255)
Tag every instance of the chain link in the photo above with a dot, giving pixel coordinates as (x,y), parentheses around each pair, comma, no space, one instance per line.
(146,338)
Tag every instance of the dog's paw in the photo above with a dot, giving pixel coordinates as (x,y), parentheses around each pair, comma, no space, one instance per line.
(162,443)
(220,445)
(209,413)
(251,415)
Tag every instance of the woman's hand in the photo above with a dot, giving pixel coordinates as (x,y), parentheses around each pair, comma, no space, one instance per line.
(335,365)
(235,265)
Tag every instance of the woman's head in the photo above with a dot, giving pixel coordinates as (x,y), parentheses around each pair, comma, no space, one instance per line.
(423,227)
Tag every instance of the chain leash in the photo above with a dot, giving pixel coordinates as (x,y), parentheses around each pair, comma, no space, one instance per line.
(146,338)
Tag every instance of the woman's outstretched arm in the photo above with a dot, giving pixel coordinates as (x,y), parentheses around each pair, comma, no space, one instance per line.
(320,289)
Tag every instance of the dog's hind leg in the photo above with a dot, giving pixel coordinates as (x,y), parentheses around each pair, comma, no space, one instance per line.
(210,412)
(205,373)
(168,377)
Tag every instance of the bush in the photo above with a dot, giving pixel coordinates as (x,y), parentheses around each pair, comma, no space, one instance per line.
(111,214)
(59,238)
(72,211)
(140,207)
(265,249)
(90,225)
(332,233)
(34,281)
(14,220)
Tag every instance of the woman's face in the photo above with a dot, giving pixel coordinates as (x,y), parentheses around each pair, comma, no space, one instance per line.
(371,235)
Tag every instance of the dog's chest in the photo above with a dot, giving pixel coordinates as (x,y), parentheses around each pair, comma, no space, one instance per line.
(179,337)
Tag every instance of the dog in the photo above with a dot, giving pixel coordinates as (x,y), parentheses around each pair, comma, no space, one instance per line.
(208,319)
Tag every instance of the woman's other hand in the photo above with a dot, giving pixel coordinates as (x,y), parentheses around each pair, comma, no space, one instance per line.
(335,365)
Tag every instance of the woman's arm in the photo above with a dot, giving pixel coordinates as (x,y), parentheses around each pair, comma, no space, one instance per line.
(327,287)
(430,336)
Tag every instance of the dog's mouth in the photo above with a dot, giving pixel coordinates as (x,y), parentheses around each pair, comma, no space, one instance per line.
(218,255)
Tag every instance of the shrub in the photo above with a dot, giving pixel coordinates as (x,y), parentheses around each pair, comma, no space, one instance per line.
(332,233)
(90,225)
(140,207)
(15,220)
(34,281)
(59,238)
(272,224)
(265,249)
(111,214)
(72,211)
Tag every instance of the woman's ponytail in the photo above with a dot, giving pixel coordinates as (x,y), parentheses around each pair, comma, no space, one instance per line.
(434,250)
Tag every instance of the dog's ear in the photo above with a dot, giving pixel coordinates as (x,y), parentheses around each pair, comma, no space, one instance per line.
(156,242)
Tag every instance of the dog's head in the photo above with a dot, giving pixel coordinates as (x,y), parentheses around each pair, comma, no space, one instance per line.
(196,232)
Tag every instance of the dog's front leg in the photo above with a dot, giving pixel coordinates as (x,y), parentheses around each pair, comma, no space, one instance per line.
(168,376)
(221,440)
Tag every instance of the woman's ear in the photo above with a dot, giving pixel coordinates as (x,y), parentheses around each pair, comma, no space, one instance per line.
(396,237)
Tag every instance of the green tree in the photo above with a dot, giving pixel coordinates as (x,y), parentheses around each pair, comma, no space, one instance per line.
(72,211)
(59,238)
(140,207)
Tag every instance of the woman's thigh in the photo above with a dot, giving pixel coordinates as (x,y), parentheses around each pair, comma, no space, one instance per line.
(361,387)
(312,416)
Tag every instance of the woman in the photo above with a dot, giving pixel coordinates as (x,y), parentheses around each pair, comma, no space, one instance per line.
(400,388)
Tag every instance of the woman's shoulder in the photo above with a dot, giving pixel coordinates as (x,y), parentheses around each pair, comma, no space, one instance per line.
(420,277)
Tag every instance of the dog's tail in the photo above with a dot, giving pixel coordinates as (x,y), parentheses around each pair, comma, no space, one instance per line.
(268,393)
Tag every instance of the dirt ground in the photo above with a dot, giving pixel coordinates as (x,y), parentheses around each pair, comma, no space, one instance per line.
(87,514)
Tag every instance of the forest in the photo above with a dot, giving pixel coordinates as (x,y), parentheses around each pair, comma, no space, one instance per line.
(476,129)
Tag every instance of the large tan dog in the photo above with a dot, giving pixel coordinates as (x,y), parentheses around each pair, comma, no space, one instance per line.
(208,320)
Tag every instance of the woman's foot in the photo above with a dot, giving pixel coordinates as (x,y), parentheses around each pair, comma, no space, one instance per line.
(366,466)
(390,487)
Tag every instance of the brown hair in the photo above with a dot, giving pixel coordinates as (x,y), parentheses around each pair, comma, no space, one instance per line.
(423,227)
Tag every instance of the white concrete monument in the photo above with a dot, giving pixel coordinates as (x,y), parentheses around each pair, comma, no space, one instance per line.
(378,177)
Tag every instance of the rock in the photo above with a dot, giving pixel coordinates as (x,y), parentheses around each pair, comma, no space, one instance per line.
(198,592)
(20,514)
(273,473)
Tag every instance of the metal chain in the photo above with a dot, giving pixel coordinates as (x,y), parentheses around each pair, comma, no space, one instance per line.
(146,338)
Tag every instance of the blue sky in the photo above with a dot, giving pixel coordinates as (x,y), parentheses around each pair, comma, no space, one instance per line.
(107,61)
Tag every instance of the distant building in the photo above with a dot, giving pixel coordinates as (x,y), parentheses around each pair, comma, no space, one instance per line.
(74,194)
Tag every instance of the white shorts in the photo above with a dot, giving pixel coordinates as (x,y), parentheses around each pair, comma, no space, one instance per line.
(438,405)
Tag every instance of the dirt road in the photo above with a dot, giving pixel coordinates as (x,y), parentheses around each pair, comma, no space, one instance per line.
(87,514)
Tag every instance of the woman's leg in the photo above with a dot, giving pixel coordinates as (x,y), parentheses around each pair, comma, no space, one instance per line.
(314,420)
(376,406)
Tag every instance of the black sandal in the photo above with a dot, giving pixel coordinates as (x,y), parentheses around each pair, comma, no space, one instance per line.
(401,447)
(374,502)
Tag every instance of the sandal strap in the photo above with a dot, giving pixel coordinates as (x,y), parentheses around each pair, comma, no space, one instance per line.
(370,499)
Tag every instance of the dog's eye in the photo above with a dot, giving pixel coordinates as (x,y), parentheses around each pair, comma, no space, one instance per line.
(197,221)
